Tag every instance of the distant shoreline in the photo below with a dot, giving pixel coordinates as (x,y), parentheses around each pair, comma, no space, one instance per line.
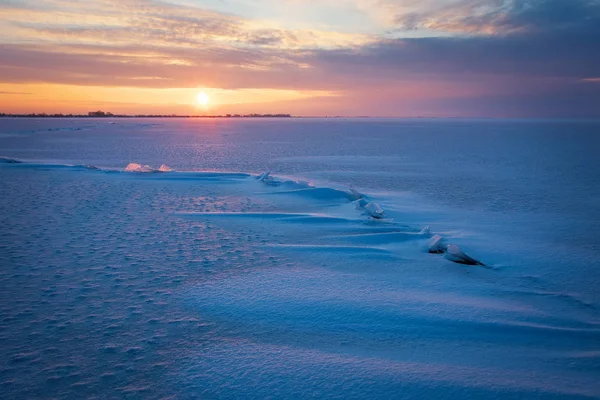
(109,115)
(227,116)
(287,116)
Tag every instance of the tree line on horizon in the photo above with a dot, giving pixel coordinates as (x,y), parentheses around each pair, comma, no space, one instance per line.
(102,114)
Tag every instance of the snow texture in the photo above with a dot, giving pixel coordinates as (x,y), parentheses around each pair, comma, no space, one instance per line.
(205,282)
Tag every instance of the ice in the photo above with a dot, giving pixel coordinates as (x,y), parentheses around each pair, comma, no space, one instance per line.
(426,231)
(264,176)
(134,167)
(6,160)
(355,195)
(205,282)
(435,245)
(165,168)
(374,210)
(371,208)
(455,254)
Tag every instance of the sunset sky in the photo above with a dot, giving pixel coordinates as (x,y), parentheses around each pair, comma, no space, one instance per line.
(469,58)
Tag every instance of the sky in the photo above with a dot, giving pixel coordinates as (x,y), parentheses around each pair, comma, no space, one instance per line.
(388,58)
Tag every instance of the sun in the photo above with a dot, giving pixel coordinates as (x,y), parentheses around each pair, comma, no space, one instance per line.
(202,99)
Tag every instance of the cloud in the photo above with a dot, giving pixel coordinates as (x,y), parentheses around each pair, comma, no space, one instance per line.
(172,53)
(502,16)
(536,54)
(134,22)
(21,93)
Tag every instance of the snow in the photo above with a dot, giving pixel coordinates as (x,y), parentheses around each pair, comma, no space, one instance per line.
(205,282)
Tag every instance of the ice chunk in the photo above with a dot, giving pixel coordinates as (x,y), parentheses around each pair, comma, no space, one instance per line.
(435,245)
(165,168)
(374,210)
(360,203)
(6,160)
(455,254)
(355,195)
(264,176)
(134,167)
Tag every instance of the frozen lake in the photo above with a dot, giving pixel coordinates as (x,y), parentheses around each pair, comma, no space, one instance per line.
(208,283)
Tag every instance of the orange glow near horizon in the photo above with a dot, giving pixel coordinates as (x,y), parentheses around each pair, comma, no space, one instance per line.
(57,98)
(202,99)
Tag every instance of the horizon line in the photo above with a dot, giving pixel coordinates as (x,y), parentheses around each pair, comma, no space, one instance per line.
(277,115)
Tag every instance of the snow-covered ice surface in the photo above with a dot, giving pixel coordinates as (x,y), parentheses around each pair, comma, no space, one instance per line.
(204,282)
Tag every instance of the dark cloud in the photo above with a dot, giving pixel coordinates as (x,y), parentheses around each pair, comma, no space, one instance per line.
(552,15)
(264,38)
(541,64)
(527,56)
(506,16)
